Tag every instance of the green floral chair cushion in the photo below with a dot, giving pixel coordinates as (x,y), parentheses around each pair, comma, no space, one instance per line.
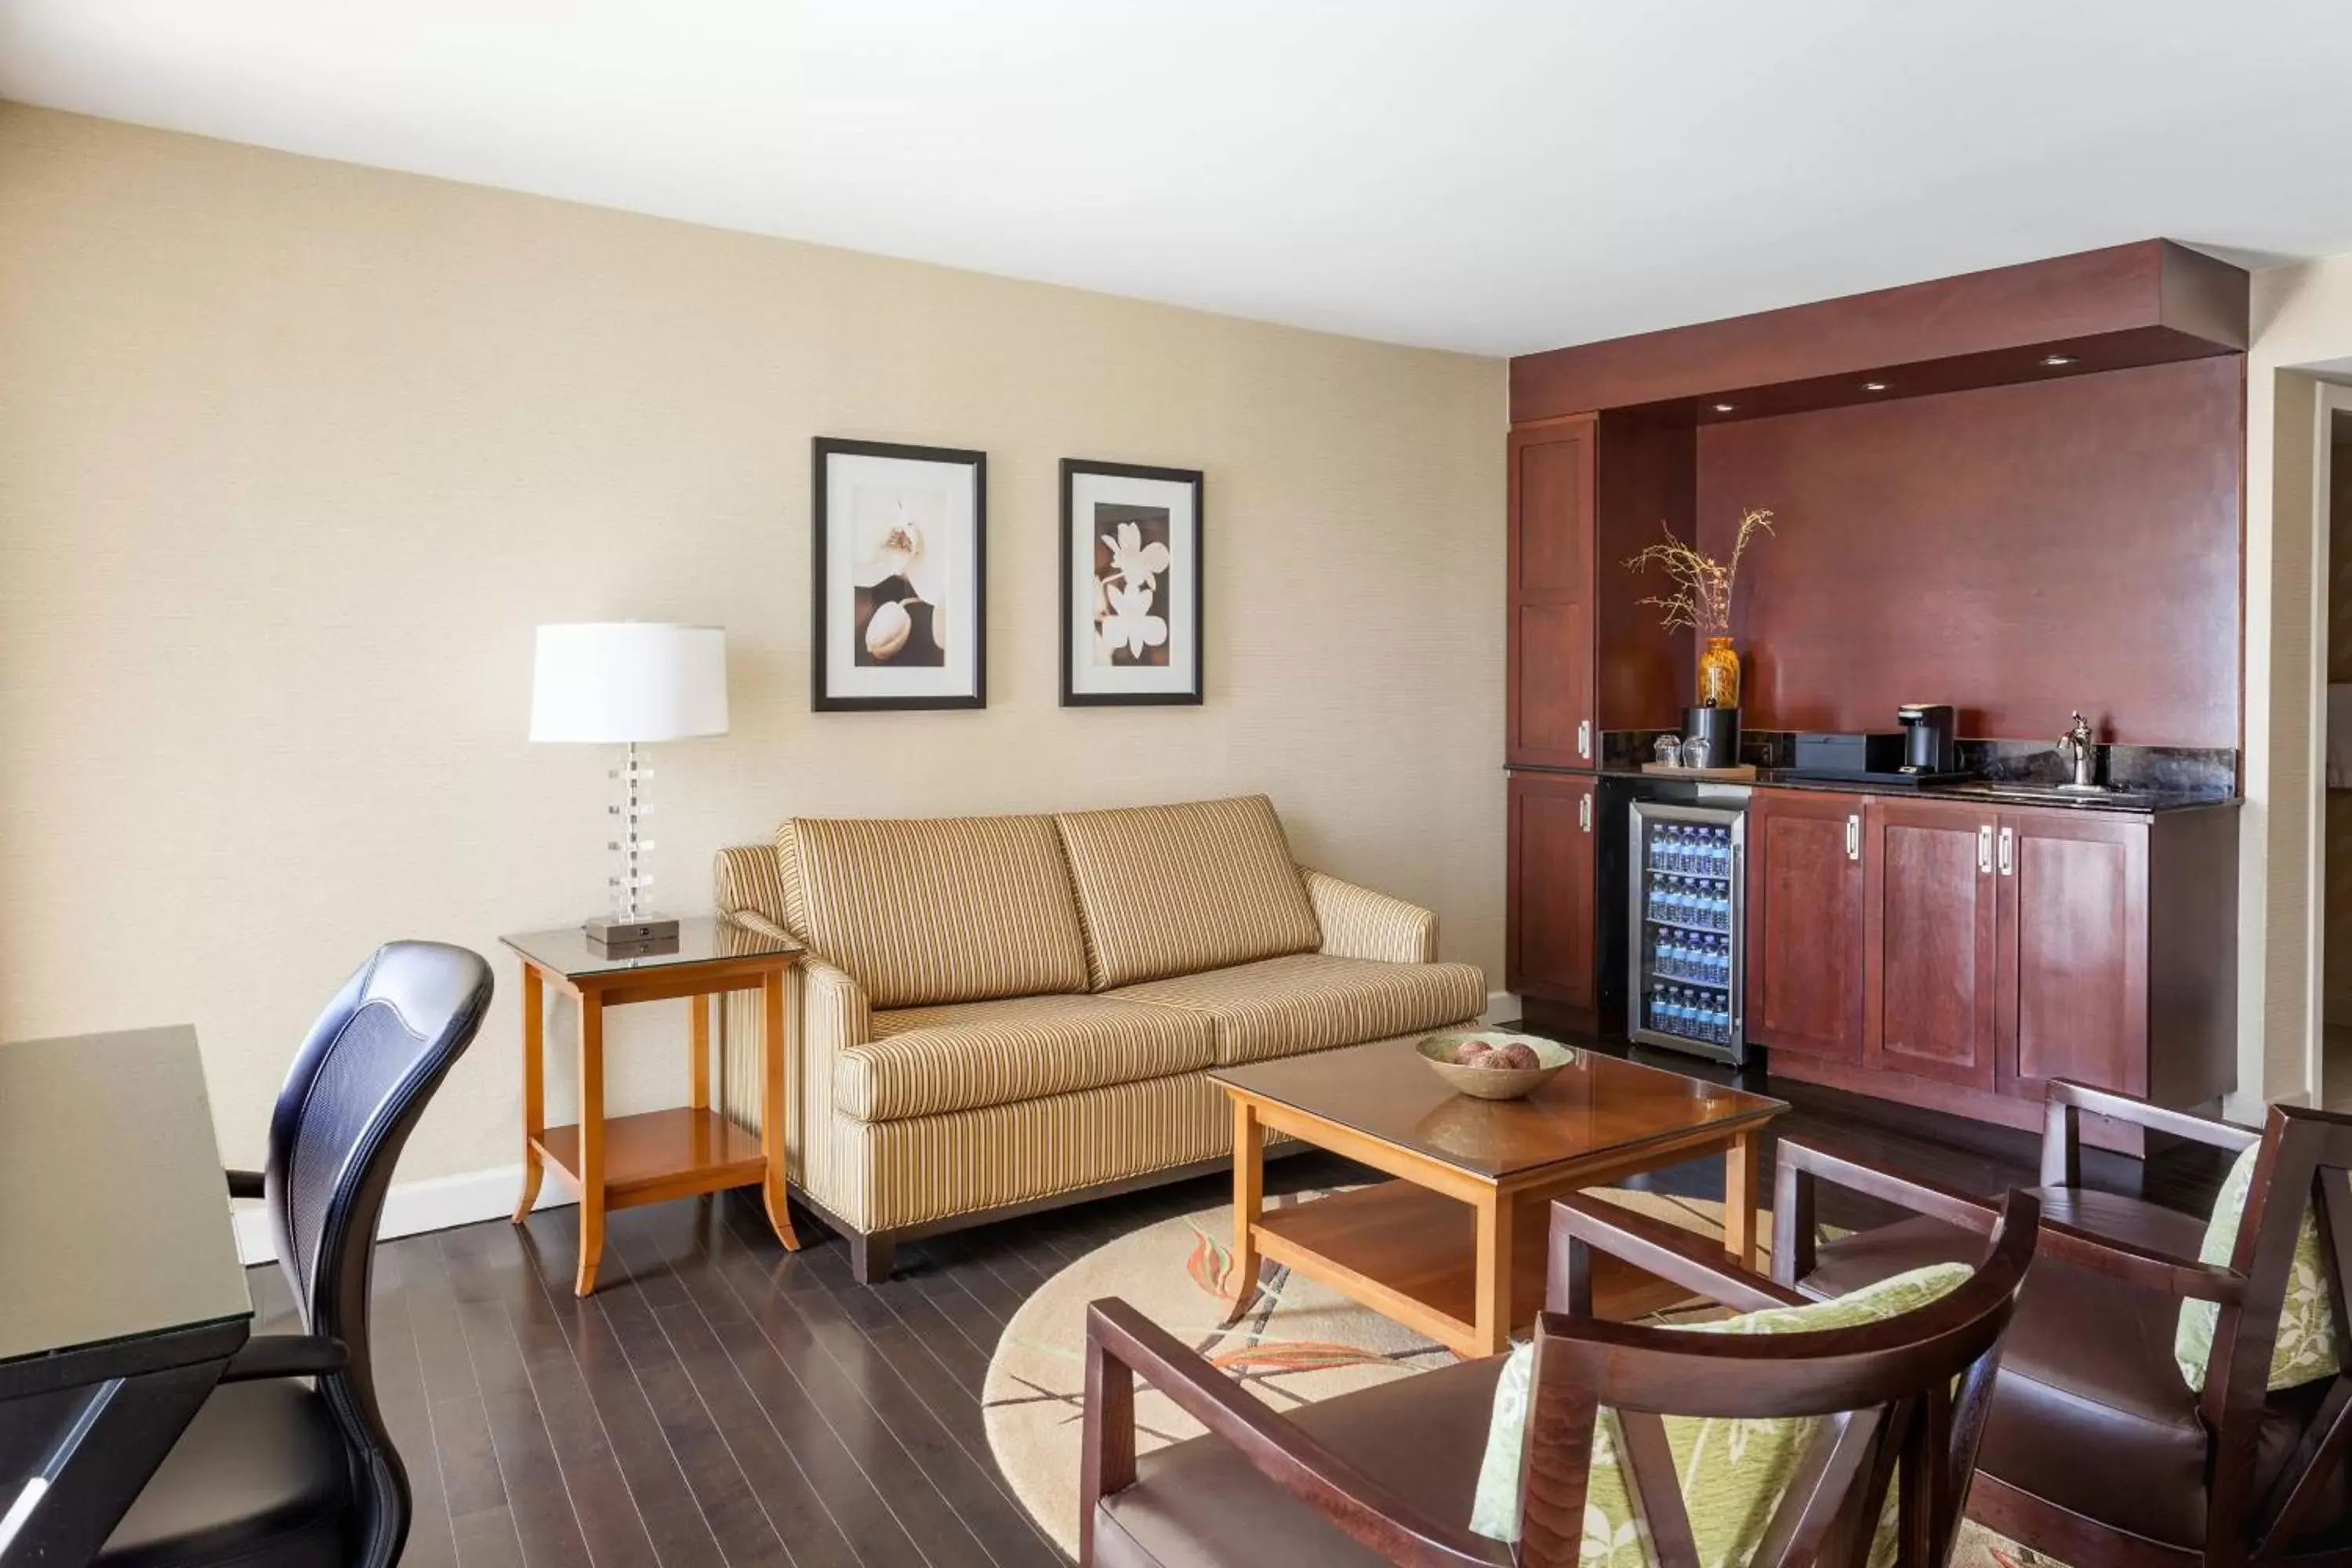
(1733,1473)
(2306,1347)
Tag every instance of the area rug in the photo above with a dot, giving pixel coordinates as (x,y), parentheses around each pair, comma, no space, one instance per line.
(1300,1342)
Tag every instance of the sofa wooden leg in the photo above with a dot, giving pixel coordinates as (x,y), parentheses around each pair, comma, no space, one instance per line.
(872,1257)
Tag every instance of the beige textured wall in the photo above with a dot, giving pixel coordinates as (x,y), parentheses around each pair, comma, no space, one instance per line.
(293,456)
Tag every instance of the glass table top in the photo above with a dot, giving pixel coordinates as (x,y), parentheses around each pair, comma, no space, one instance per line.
(1598,1104)
(701,939)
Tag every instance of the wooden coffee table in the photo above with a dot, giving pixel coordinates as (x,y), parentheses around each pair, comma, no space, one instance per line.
(1454,1246)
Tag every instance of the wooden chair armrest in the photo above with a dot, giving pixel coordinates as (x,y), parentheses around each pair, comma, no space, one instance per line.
(244,1183)
(1797,1165)
(1679,1256)
(1122,1344)
(2062,1127)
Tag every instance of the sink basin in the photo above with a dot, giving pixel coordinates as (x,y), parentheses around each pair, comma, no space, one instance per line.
(2037,794)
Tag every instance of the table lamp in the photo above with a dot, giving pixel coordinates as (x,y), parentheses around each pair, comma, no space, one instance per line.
(629,683)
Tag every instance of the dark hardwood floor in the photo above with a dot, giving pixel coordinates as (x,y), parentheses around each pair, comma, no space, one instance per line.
(721,1401)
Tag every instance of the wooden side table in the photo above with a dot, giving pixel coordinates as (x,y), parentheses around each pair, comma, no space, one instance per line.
(660,1154)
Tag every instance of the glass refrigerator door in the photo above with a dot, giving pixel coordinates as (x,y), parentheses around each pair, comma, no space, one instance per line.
(1686,947)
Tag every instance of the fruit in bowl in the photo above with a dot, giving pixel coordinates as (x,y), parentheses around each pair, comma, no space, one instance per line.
(1493,1064)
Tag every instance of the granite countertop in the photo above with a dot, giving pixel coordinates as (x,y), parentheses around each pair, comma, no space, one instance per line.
(1988,792)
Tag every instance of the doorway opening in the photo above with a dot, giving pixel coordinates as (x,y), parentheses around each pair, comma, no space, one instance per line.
(2332,497)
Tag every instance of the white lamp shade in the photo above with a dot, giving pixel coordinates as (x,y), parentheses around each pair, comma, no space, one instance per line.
(609,681)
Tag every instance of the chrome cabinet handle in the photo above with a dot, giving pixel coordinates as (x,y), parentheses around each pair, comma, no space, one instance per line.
(2008,853)
(1853,838)
(1584,737)
(1584,813)
(1984,848)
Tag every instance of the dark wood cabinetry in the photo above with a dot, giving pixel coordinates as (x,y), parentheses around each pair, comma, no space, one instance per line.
(1987,952)
(1551,721)
(1552,930)
(1930,919)
(1805,923)
(2072,964)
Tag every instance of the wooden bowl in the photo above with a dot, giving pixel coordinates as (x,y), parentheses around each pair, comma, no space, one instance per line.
(1492,1083)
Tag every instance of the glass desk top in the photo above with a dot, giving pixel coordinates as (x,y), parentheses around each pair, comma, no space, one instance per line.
(1597,1105)
(701,939)
(114,1212)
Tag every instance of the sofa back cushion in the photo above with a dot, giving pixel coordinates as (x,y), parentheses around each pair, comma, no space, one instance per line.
(922,912)
(1175,890)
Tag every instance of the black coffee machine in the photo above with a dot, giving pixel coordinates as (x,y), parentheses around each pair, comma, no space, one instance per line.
(1930,738)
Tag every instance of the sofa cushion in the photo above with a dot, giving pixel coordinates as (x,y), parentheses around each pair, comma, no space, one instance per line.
(922,911)
(1173,890)
(1308,1002)
(924,1060)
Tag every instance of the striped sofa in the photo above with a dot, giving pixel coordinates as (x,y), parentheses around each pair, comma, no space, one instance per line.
(1001,1014)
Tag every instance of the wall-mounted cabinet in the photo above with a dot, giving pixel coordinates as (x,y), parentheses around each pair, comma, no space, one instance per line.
(1552,720)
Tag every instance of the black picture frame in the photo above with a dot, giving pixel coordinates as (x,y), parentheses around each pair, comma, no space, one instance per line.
(822,697)
(1193,478)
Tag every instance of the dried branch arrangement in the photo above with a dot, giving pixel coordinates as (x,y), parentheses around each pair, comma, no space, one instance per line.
(1702,596)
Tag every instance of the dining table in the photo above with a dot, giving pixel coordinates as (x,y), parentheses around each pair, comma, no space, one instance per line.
(122,1293)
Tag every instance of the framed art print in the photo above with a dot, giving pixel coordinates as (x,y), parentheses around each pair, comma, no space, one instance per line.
(1131,585)
(900,581)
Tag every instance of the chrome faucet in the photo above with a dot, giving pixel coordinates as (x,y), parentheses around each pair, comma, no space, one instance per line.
(2080,749)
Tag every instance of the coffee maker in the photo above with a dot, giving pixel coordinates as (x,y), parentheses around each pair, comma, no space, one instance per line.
(1930,739)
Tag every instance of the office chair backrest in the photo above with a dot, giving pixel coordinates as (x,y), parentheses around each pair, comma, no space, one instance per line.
(356,1088)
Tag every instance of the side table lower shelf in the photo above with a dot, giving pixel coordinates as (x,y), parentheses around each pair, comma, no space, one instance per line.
(662,1155)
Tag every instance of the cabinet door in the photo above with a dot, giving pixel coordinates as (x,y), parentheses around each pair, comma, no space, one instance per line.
(1929,931)
(2074,951)
(1550,944)
(1804,922)
(1549,685)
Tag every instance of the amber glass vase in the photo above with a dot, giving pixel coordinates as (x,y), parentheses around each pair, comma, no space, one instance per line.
(1718,674)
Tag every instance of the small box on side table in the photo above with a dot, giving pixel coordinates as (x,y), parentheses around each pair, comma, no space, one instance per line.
(659,1154)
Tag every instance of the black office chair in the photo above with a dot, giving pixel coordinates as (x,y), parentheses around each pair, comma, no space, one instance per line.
(288,1463)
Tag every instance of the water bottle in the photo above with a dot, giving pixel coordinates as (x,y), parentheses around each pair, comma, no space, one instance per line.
(1662,850)
(1719,903)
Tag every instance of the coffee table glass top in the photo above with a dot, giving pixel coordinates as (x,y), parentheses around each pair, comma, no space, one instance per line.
(701,940)
(1598,1104)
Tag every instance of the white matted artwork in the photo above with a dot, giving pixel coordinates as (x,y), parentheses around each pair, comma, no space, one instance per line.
(900,579)
(1131,585)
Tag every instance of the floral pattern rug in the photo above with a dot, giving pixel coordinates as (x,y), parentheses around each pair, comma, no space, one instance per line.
(1302,1341)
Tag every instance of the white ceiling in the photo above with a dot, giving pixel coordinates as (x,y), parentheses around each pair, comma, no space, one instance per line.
(1479,174)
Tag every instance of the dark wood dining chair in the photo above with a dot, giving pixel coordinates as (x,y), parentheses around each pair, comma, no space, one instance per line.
(288,1463)
(1387,1474)
(2098,1449)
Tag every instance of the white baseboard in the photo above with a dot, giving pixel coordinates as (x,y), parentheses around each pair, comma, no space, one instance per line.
(434,1203)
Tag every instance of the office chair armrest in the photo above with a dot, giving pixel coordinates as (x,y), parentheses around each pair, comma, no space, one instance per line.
(2062,1127)
(286,1355)
(1123,1344)
(244,1183)
(1797,1165)
(1697,1263)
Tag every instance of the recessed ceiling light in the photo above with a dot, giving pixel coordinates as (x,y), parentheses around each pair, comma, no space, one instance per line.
(2054,361)
(1874,387)
(1723,407)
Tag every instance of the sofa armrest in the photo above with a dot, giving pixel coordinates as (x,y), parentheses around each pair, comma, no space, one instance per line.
(1360,923)
(835,1015)
(752,919)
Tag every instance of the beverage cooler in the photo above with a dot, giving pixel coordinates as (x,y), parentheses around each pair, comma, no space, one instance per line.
(1688,929)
